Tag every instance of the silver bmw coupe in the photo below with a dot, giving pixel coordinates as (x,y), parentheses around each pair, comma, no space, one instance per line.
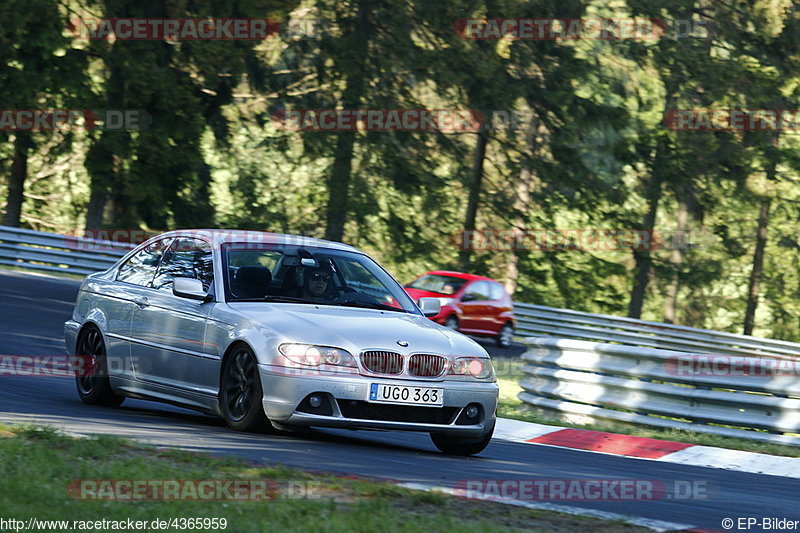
(278,332)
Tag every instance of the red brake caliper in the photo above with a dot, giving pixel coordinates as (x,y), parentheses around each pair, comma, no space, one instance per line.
(85,365)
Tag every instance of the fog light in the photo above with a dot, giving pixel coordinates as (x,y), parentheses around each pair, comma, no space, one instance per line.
(472,411)
(315,401)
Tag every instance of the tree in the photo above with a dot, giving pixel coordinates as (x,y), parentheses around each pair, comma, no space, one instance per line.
(157,176)
(38,71)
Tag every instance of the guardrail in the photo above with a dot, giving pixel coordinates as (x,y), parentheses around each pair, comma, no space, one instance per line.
(53,252)
(541,321)
(757,398)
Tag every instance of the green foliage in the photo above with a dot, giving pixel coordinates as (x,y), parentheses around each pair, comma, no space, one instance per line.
(590,148)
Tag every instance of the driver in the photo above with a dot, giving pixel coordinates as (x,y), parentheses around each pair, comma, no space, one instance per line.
(315,282)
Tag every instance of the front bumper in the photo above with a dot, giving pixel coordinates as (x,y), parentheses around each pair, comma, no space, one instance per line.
(284,403)
(71,329)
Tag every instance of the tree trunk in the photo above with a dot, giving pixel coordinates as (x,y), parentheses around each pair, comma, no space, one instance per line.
(754,287)
(758,265)
(527,185)
(95,209)
(341,172)
(339,186)
(522,199)
(104,167)
(106,152)
(676,259)
(475,185)
(642,257)
(16,180)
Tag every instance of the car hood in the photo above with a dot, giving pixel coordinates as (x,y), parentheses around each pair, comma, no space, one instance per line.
(419,293)
(357,329)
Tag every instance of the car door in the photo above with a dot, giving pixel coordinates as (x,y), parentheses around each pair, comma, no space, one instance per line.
(118,299)
(495,307)
(168,330)
(473,306)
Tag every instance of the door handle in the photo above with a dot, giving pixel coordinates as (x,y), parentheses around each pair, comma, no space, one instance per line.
(142,301)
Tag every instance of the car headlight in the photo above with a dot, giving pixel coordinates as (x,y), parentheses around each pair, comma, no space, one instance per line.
(477,367)
(311,355)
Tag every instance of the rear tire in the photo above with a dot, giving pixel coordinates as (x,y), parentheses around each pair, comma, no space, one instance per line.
(505,336)
(91,377)
(460,446)
(241,393)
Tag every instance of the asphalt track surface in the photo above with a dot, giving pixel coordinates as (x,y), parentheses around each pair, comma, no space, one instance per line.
(35,307)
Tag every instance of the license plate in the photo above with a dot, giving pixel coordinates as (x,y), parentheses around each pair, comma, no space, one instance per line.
(380,393)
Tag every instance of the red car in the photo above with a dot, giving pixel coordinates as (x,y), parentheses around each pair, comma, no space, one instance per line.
(470,304)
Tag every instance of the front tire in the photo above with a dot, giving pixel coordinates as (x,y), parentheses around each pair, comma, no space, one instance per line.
(91,377)
(241,392)
(450,445)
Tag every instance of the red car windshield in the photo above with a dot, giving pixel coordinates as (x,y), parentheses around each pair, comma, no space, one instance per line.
(438,283)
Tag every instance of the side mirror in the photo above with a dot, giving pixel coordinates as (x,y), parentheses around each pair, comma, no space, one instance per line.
(189,288)
(469,297)
(430,306)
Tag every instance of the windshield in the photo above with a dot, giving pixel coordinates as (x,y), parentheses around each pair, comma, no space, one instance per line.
(438,283)
(288,273)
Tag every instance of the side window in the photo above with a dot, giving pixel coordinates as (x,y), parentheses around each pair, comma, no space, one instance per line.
(496,291)
(186,258)
(260,258)
(141,268)
(478,291)
(360,279)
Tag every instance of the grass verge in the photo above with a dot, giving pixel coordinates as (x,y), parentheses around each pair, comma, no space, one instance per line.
(38,464)
(509,374)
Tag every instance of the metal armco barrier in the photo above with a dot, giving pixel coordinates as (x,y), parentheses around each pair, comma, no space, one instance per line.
(51,252)
(721,394)
(541,321)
